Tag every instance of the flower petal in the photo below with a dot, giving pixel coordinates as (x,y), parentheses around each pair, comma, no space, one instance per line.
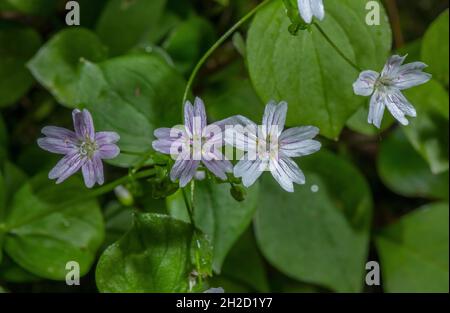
(98,166)
(66,167)
(300,148)
(56,145)
(281,176)
(106,137)
(235,120)
(242,137)
(292,170)
(274,118)
(184,170)
(189,117)
(249,170)
(410,75)
(83,124)
(317,9)
(219,167)
(189,172)
(392,66)
(108,151)
(60,133)
(402,103)
(200,112)
(304,6)
(376,109)
(296,134)
(89,173)
(395,110)
(365,84)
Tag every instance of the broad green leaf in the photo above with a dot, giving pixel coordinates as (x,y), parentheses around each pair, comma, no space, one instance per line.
(58,63)
(17,46)
(154,256)
(32,7)
(188,41)
(2,213)
(244,264)
(405,172)
(11,179)
(414,251)
(300,233)
(428,133)
(49,225)
(218,215)
(306,71)
(132,95)
(123,24)
(11,272)
(118,220)
(435,48)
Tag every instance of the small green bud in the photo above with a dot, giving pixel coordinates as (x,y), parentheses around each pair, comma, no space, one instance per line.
(238,192)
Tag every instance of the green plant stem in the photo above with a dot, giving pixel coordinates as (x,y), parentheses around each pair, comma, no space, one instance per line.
(217,45)
(188,206)
(335,47)
(109,187)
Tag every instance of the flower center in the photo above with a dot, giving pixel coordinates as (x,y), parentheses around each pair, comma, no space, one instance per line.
(88,148)
(267,149)
(383,82)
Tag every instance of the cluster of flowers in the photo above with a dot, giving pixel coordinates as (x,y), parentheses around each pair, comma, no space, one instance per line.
(268,147)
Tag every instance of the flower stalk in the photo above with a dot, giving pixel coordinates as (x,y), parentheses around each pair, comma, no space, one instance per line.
(217,44)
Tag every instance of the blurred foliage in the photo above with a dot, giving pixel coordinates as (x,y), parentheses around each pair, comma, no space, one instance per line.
(370,194)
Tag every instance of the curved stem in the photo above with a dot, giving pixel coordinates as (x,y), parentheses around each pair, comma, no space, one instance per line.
(109,187)
(217,45)
(188,207)
(335,47)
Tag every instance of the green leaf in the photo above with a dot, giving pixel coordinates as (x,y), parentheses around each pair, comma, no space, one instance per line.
(154,256)
(58,63)
(414,251)
(245,266)
(3,141)
(17,46)
(32,7)
(435,48)
(188,41)
(405,172)
(300,233)
(123,24)
(132,95)
(306,71)
(218,215)
(118,220)
(49,225)
(11,179)
(11,272)
(428,133)
(2,213)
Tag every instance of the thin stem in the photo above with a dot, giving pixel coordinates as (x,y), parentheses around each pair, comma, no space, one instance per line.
(356,67)
(109,187)
(217,45)
(395,22)
(188,206)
